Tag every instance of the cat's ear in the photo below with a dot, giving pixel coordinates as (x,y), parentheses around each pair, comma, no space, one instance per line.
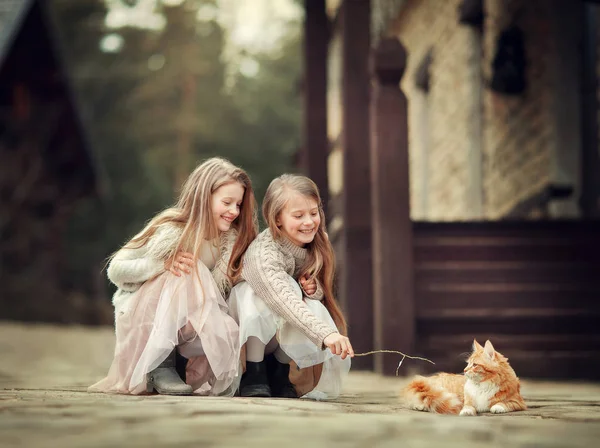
(489,350)
(476,345)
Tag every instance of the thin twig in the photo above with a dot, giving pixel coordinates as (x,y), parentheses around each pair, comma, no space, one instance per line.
(404,356)
(399,364)
(396,352)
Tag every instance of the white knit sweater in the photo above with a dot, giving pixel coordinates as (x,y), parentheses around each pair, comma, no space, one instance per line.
(130,268)
(268,264)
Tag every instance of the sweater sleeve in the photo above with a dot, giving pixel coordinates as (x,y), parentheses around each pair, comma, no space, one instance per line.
(265,273)
(318,294)
(130,267)
(219,272)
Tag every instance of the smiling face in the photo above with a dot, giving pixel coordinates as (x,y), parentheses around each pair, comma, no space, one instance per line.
(299,220)
(226,203)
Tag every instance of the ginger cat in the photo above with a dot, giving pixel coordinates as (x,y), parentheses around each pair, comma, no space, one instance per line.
(488,385)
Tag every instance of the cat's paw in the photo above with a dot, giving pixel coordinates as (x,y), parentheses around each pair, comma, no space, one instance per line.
(467,411)
(498,408)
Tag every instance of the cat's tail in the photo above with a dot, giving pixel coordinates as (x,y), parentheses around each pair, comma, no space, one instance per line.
(423,394)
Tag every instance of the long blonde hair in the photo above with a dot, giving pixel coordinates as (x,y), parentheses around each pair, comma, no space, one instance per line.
(320,262)
(193,213)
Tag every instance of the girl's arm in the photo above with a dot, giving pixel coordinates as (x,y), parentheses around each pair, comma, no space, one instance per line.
(264,270)
(318,294)
(130,267)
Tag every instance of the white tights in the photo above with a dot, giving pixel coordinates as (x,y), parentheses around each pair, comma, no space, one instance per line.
(256,350)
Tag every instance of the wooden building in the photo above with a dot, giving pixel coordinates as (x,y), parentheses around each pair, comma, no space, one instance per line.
(46,164)
(458,144)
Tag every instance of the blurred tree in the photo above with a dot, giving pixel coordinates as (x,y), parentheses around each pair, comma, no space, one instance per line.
(103,81)
(177,103)
(268,110)
(156,106)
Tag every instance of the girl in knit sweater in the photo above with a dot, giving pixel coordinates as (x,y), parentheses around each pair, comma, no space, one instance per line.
(277,317)
(159,311)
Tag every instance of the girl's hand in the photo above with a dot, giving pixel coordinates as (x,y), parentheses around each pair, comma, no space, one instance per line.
(339,345)
(309,286)
(183,262)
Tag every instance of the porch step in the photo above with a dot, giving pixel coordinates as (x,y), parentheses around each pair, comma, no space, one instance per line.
(519,272)
(533,288)
(547,356)
(566,364)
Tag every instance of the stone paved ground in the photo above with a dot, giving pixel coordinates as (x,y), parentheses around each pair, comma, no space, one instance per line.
(45,369)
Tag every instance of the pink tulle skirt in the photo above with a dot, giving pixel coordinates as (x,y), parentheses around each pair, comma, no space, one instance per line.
(171,311)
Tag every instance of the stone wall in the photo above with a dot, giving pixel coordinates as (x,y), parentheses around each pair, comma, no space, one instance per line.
(438,124)
(518,130)
(475,153)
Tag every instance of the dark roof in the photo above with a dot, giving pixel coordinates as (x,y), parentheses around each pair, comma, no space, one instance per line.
(13,14)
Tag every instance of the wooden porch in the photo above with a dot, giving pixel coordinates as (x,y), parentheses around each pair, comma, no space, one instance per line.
(429,288)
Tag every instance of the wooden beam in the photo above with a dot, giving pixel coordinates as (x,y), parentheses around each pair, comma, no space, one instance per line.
(315,143)
(590,161)
(393,263)
(356,197)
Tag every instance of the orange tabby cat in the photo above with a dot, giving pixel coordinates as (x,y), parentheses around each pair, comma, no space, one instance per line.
(488,385)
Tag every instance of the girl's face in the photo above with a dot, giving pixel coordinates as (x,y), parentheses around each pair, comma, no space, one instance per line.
(226,204)
(300,219)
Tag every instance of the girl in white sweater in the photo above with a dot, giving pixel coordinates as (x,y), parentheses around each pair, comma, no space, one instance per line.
(159,311)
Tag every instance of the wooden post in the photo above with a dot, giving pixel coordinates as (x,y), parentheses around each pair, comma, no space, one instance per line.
(394,313)
(590,159)
(356,195)
(315,144)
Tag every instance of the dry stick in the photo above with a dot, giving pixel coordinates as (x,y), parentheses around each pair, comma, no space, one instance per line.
(404,355)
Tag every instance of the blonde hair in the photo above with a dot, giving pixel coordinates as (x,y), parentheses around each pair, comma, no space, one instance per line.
(193,213)
(320,262)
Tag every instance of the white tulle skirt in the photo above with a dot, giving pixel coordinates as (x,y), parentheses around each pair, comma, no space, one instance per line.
(256,319)
(169,312)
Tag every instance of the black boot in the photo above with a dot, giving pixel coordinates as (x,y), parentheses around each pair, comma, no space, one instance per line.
(180,366)
(255,382)
(166,380)
(279,379)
